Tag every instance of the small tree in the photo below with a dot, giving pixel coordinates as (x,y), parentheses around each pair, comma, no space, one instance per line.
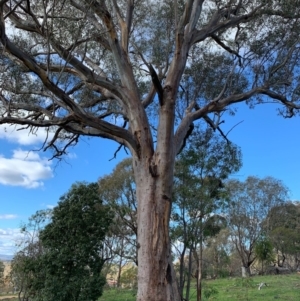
(264,251)
(199,195)
(217,255)
(282,225)
(117,190)
(250,203)
(25,277)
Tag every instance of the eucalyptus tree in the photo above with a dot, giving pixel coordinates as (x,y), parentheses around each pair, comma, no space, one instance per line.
(263,250)
(250,204)
(282,225)
(121,70)
(117,191)
(199,196)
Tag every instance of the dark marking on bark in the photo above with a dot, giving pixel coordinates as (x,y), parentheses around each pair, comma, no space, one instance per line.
(138,245)
(166,198)
(153,170)
(157,84)
(188,133)
(138,148)
(153,167)
(169,274)
(167,88)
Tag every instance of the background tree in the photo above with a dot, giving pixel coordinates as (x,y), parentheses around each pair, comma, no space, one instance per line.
(282,226)
(25,278)
(1,273)
(73,241)
(117,190)
(199,195)
(250,203)
(117,70)
(264,251)
(217,255)
(69,265)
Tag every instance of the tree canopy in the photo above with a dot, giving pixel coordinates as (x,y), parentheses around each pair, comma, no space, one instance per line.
(282,225)
(93,67)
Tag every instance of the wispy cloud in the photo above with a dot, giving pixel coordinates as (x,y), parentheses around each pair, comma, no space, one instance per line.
(25,169)
(13,133)
(72,156)
(50,206)
(8,216)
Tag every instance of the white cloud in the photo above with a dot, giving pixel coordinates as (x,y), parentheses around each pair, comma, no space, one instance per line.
(8,216)
(25,169)
(12,133)
(9,239)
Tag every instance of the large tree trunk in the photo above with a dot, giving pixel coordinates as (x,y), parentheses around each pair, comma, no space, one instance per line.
(156,276)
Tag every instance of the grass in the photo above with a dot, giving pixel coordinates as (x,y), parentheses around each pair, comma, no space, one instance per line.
(118,295)
(281,288)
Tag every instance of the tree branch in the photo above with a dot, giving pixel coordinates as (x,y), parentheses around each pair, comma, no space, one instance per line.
(215,25)
(219,42)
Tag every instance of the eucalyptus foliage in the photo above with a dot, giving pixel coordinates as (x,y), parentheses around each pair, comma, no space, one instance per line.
(251,201)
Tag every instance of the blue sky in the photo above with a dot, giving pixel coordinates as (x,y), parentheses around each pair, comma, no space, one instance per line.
(29,182)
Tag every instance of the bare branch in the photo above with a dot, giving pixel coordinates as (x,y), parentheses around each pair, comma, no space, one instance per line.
(215,126)
(281,98)
(234,127)
(116,152)
(155,79)
(20,23)
(219,42)
(129,14)
(215,25)
(150,97)
(216,106)
(195,14)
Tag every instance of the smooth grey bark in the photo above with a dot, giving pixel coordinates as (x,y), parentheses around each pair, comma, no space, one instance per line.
(244,272)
